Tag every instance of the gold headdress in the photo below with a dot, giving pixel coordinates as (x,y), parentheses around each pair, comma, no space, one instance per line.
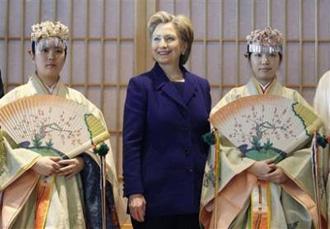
(267,40)
(49,29)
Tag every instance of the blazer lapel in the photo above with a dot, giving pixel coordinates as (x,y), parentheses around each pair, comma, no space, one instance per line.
(162,83)
(170,90)
(190,88)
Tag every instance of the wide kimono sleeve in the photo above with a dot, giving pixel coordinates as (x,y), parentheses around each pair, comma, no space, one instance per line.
(133,136)
(235,183)
(111,172)
(14,162)
(17,179)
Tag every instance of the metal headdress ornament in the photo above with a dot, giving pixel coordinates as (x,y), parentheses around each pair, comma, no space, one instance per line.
(267,40)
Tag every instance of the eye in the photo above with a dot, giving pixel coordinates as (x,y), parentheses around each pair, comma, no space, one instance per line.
(170,39)
(273,55)
(44,50)
(257,54)
(59,51)
(156,39)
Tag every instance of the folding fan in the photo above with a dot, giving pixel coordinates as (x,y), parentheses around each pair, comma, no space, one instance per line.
(52,125)
(265,126)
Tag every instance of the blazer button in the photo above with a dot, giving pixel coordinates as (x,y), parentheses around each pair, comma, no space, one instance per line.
(186,152)
(190,170)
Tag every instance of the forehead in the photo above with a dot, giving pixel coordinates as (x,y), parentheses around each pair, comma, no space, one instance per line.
(164,29)
(51,42)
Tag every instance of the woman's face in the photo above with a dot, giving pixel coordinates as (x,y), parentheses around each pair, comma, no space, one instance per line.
(264,66)
(166,45)
(49,57)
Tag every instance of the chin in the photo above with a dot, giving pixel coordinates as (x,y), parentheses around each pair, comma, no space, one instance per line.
(164,62)
(267,79)
(51,74)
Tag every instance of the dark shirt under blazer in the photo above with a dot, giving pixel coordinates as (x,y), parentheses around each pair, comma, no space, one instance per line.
(164,154)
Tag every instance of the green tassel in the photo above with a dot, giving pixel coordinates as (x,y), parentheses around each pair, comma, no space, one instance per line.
(209,138)
(321,140)
(2,153)
(102,149)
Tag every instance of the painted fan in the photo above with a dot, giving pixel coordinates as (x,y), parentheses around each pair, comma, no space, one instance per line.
(265,126)
(52,125)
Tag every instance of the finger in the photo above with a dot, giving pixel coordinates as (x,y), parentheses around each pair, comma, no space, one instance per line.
(272,165)
(273,176)
(65,169)
(55,166)
(135,209)
(54,171)
(65,162)
(143,211)
(269,161)
(55,158)
(272,168)
(274,172)
(134,214)
(267,176)
(137,213)
(73,172)
(140,214)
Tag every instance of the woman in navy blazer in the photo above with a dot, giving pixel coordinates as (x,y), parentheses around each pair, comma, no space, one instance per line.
(166,114)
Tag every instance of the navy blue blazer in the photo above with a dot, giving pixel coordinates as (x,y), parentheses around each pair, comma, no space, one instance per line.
(163,151)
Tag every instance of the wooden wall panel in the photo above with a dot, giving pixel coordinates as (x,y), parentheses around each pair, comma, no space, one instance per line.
(101,55)
(109,44)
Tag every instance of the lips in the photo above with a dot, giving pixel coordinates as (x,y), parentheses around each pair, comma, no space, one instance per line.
(265,69)
(163,52)
(50,65)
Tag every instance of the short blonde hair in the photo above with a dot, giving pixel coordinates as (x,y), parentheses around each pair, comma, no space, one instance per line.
(182,25)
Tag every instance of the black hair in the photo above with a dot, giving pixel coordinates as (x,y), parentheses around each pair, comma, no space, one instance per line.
(248,56)
(33,48)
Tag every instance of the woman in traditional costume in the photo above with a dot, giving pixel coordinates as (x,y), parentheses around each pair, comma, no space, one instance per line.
(322,107)
(47,191)
(235,197)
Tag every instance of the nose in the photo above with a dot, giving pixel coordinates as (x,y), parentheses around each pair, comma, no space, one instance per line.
(162,43)
(51,55)
(264,59)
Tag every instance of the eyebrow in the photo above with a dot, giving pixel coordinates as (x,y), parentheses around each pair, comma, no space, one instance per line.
(166,35)
(46,45)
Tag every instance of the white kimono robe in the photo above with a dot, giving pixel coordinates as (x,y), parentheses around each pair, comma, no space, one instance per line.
(18,182)
(292,203)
